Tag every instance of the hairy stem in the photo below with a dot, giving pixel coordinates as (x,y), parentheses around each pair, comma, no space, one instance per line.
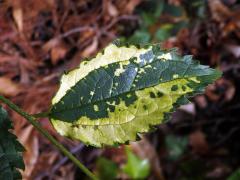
(45,133)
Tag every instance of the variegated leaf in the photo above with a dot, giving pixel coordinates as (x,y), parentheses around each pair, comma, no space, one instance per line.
(124,91)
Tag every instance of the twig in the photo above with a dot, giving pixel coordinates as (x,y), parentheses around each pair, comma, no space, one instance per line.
(75,30)
(123,17)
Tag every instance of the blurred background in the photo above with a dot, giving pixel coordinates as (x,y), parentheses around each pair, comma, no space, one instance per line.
(40,39)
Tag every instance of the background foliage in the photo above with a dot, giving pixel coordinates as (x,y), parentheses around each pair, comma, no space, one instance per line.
(10,149)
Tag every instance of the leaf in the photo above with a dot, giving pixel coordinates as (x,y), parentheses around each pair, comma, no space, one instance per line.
(124,91)
(106,169)
(10,150)
(164,32)
(135,167)
(140,36)
(235,175)
(150,11)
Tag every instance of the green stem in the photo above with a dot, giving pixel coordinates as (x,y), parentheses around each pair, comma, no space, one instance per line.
(58,145)
(41,115)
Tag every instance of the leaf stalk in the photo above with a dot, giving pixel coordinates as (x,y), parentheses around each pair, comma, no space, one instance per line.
(31,119)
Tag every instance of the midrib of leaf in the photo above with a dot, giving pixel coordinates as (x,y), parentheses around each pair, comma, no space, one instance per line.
(106,99)
(114,76)
(133,90)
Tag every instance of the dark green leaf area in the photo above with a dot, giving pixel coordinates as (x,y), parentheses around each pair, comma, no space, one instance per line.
(235,175)
(106,169)
(10,150)
(93,95)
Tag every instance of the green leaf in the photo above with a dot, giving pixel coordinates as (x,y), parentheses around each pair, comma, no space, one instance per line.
(235,175)
(168,30)
(135,167)
(174,10)
(140,36)
(150,11)
(164,32)
(124,91)
(10,150)
(106,169)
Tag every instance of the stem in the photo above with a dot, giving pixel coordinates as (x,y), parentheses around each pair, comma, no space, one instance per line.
(58,145)
(41,115)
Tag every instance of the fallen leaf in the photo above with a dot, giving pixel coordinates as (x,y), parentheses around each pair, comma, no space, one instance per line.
(234,49)
(8,87)
(198,142)
(131,5)
(30,142)
(91,48)
(51,44)
(112,10)
(18,16)
(219,10)
(58,53)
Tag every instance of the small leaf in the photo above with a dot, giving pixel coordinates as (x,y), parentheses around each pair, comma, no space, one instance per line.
(150,11)
(106,169)
(148,19)
(135,167)
(124,91)
(164,32)
(10,150)
(140,36)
